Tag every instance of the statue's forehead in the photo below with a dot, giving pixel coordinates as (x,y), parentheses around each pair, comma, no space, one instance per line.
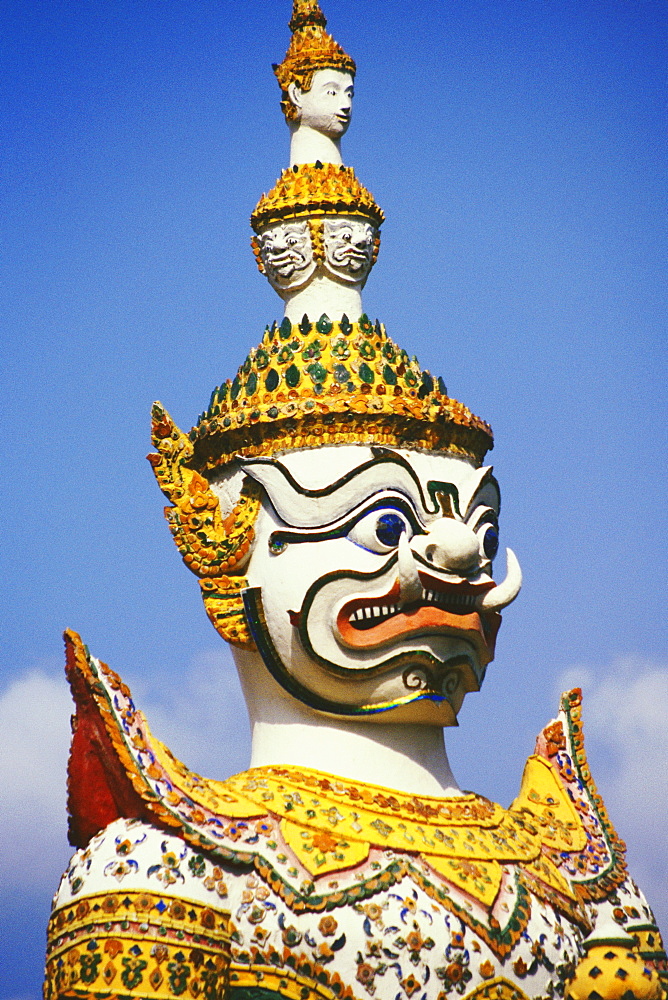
(342,222)
(317,468)
(324,76)
(294,226)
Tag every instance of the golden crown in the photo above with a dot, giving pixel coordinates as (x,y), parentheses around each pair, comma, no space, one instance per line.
(306,385)
(311,48)
(312,384)
(311,189)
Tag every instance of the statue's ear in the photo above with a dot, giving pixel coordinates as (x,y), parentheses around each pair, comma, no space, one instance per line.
(295,95)
(213,547)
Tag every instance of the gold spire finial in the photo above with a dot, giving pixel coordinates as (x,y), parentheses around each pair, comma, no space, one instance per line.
(306,12)
(311,49)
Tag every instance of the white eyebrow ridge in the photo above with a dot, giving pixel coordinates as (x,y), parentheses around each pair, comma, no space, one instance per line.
(299,507)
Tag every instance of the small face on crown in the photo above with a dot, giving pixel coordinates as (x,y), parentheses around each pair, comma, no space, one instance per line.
(327,106)
(349,248)
(286,253)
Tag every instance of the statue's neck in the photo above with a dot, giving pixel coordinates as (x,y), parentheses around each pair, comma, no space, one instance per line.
(307,145)
(409,758)
(323,295)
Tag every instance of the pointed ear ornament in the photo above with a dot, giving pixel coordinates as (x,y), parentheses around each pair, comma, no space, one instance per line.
(213,547)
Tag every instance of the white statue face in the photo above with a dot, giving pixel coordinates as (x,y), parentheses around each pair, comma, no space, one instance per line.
(287,254)
(328,106)
(349,248)
(370,580)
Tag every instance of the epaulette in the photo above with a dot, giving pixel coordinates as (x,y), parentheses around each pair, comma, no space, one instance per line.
(557,772)
(118,769)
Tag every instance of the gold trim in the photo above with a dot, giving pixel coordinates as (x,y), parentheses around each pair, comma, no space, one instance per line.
(318,383)
(598,886)
(498,988)
(313,190)
(544,797)
(117,941)
(472,829)
(290,984)
(211,547)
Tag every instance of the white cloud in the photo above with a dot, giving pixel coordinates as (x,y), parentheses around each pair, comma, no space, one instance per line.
(34,740)
(203,721)
(625,710)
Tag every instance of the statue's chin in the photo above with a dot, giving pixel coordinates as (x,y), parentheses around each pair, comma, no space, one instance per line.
(347,274)
(290,283)
(330,128)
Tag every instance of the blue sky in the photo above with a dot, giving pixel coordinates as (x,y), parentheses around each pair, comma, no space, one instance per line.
(515,148)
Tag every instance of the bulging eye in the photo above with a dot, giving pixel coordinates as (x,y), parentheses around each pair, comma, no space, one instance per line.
(389,528)
(490,541)
(483,520)
(380,531)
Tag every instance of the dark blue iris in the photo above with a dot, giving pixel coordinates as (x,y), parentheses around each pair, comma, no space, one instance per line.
(389,528)
(490,542)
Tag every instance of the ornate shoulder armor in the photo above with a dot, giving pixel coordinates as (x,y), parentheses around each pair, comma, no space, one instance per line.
(317,884)
(623,955)
(559,792)
(139,914)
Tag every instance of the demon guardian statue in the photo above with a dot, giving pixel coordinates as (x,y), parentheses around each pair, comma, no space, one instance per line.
(334,504)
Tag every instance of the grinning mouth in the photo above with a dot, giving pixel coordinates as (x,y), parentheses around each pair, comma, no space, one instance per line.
(450,610)
(368,615)
(289,257)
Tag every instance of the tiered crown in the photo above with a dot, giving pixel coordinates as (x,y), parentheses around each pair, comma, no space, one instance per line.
(307,384)
(311,48)
(330,382)
(315,189)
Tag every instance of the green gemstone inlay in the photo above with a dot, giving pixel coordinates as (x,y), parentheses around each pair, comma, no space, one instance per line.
(261,359)
(293,376)
(236,387)
(365,324)
(340,349)
(305,326)
(285,329)
(271,380)
(389,375)
(312,350)
(251,384)
(366,374)
(317,372)
(366,349)
(324,324)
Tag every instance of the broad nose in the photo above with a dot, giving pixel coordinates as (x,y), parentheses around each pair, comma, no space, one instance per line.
(450,546)
(345,103)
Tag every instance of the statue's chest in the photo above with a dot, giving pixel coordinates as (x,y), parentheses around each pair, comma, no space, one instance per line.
(400,932)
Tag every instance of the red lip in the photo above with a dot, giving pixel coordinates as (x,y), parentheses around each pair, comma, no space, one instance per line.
(447,609)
